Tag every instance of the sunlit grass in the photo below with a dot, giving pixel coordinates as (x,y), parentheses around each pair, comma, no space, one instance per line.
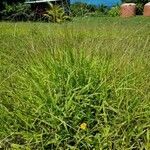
(55,78)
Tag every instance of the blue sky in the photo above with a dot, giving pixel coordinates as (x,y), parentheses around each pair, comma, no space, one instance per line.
(98,2)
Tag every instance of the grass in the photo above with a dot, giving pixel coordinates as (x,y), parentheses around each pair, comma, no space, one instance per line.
(78,85)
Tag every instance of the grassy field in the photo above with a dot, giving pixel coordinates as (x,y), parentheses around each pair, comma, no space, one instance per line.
(81,85)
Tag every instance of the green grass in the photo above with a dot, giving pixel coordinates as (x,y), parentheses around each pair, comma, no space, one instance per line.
(54,77)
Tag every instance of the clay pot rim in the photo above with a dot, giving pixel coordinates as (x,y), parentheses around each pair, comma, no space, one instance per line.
(147,4)
(128,4)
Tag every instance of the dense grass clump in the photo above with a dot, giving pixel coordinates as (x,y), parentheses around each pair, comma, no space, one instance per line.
(81,85)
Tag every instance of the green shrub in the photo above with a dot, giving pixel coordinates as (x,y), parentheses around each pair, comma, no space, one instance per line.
(103,9)
(81,9)
(139,9)
(114,11)
(78,9)
(56,14)
(16,12)
(136,1)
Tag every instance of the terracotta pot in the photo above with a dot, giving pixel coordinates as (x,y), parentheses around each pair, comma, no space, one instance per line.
(147,10)
(128,9)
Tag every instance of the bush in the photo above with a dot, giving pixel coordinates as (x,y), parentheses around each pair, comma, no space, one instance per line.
(103,9)
(114,11)
(136,1)
(81,9)
(17,12)
(139,9)
(56,14)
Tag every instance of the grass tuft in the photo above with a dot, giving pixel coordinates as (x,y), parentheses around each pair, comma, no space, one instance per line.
(78,85)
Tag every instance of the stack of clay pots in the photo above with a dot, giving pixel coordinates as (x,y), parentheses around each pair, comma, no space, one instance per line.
(129,9)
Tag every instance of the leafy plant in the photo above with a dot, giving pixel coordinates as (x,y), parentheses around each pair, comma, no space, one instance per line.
(139,9)
(136,1)
(16,12)
(56,14)
(103,9)
(82,9)
(114,11)
(78,9)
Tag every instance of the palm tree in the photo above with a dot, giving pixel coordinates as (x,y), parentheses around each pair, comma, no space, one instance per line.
(56,14)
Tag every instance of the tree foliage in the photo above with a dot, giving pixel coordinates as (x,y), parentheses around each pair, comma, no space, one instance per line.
(12,1)
(136,1)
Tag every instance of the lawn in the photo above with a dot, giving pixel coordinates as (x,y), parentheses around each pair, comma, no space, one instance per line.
(78,85)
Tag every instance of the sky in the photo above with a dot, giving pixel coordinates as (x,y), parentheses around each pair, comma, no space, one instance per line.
(98,2)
